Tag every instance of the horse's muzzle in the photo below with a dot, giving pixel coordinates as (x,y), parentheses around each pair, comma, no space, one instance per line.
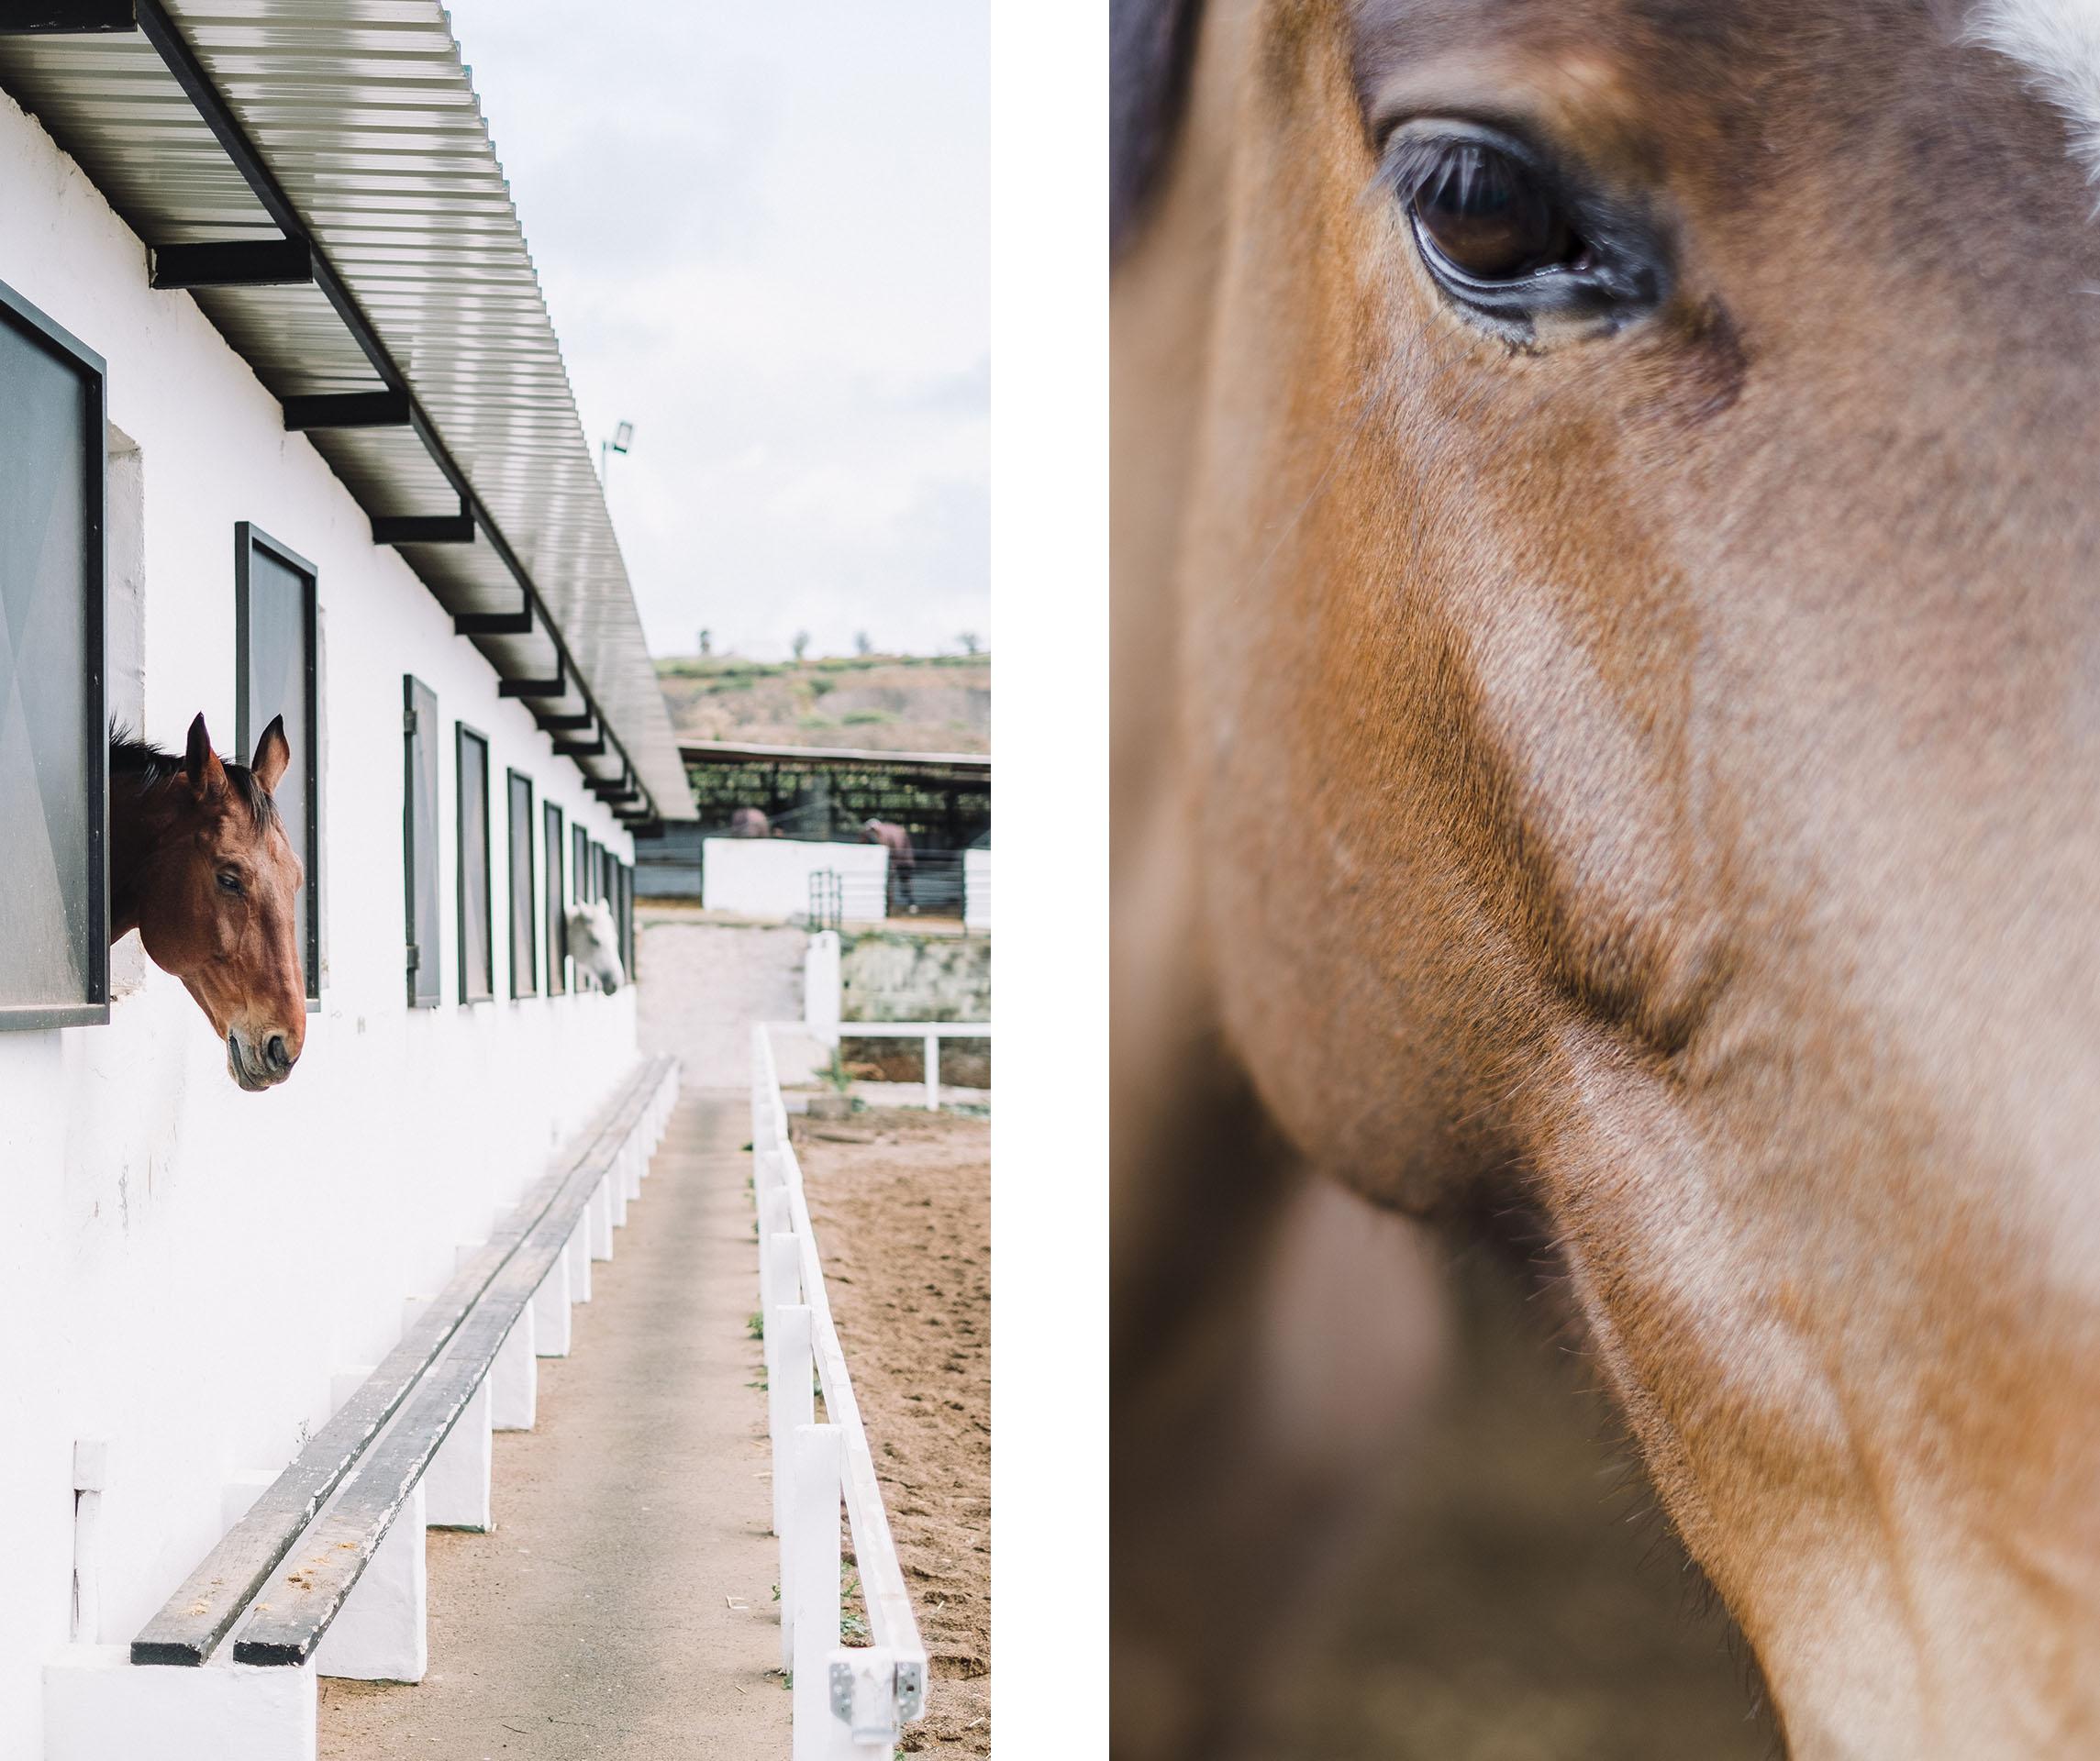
(255,1071)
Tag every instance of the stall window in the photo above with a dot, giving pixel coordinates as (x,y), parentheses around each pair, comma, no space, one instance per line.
(419,839)
(579,864)
(625,873)
(477,915)
(557,922)
(54,753)
(524,911)
(276,667)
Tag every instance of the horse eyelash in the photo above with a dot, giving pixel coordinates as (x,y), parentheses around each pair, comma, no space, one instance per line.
(1414,161)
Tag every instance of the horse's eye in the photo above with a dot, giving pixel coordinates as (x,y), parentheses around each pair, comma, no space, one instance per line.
(1513,242)
(229,880)
(1486,214)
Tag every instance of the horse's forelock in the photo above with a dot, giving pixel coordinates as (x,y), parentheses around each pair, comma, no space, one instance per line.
(147,768)
(2058,42)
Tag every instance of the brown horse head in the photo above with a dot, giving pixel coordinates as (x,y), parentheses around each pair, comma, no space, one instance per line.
(1618,480)
(201,867)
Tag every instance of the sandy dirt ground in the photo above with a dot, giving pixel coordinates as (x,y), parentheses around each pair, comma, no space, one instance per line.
(902,1202)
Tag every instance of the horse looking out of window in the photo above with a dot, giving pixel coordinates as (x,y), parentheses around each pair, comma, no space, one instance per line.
(199,865)
(595,944)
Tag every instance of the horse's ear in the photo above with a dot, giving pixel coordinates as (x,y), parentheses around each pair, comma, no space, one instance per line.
(1152,47)
(200,763)
(273,753)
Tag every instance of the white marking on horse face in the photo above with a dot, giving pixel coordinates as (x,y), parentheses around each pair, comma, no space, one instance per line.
(2059,42)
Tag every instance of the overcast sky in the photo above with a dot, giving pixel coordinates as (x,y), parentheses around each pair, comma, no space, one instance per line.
(763,233)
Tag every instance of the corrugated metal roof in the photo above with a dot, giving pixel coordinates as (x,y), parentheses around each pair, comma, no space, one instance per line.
(363,114)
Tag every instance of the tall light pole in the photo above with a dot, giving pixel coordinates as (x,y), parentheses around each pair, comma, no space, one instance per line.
(623,437)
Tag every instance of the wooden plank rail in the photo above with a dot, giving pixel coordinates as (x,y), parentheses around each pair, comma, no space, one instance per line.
(412,1403)
(862,1694)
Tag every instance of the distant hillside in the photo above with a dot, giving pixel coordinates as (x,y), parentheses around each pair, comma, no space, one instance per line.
(891,703)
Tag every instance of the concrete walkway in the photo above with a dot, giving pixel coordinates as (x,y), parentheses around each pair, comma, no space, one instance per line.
(624,1605)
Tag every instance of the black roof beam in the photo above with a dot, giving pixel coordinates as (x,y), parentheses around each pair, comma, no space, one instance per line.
(423,529)
(235,262)
(557,686)
(347,410)
(564,723)
(581,748)
(517,623)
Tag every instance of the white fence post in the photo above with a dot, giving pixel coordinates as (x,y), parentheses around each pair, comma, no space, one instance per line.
(791,1403)
(822,990)
(933,1072)
(810,1587)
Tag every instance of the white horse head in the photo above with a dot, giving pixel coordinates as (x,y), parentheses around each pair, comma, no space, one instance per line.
(595,944)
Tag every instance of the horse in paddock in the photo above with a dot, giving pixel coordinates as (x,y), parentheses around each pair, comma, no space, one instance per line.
(199,865)
(1608,629)
(903,860)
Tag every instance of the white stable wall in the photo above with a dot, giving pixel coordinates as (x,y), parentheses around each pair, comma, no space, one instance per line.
(182,1264)
(768,877)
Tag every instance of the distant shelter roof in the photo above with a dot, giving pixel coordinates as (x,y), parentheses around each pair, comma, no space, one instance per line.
(961,766)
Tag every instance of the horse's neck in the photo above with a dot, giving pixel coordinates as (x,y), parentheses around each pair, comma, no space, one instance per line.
(140,820)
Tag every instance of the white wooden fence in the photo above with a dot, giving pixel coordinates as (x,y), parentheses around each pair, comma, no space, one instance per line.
(931,1032)
(848,1701)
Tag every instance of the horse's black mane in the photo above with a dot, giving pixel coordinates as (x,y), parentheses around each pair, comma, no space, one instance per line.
(147,767)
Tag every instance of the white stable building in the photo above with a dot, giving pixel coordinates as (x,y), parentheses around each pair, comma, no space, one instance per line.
(284,429)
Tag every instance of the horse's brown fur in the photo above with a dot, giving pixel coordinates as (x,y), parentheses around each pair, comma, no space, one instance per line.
(199,865)
(1652,776)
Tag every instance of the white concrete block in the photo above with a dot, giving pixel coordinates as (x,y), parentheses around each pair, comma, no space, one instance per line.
(617,1189)
(90,1478)
(551,1308)
(456,1483)
(382,1632)
(602,1219)
(578,1255)
(514,1378)
(99,1706)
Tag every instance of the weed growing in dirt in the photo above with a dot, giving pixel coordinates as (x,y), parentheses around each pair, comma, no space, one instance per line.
(851,1623)
(756,1325)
